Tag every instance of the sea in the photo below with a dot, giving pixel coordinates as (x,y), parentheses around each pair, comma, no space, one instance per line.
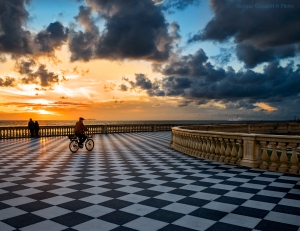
(18,123)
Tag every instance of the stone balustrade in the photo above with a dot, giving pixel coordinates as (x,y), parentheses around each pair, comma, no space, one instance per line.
(45,131)
(265,151)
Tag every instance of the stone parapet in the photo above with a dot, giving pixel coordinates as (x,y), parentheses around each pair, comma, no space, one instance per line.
(265,151)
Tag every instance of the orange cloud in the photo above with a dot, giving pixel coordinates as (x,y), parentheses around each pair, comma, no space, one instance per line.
(265,106)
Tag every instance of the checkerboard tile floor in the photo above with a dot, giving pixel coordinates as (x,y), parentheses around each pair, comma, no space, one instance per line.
(135,181)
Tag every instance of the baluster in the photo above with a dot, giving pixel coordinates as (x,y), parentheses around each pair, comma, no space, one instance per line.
(222,150)
(227,151)
(217,150)
(207,154)
(240,152)
(194,145)
(203,147)
(274,157)
(212,149)
(264,156)
(283,158)
(294,159)
(233,152)
(199,146)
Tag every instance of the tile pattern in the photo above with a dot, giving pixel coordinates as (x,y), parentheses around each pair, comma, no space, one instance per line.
(135,181)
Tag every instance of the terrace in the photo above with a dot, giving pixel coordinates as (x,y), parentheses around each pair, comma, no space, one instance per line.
(136,181)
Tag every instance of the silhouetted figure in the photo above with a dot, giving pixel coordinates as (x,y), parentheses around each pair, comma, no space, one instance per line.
(31,127)
(36,128)
(79,131)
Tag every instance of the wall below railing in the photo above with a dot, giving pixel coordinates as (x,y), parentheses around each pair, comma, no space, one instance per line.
(265,151)
(46,131)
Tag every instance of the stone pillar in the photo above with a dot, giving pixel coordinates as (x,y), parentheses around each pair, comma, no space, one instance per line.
(104,130)
(251,156)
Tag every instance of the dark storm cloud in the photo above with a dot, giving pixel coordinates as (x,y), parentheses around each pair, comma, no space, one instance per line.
(224,57)
(134,29)
(54,36)
(252,56)
(17,41)
(142,82)
(82,44)
(14,38)
(171,5)
(191,65)
(261,35)
(36,76)
(7,82)
(193,77)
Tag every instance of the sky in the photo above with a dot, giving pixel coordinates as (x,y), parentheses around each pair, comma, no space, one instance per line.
(149,59)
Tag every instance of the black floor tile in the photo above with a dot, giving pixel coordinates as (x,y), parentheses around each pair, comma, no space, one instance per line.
(226,227)
(215,191)
(231,200)
(172,227)
(42,195)
(116,204)
(80,186)
(75,205)
(119,217)
(208,214)
(34,206)
(267,199)
(164,215)
(246,190)
(114,194)
(266,225)
(250,212)
(78,195)
(157,203)
(182,192)
(72,219)
(287,209)
(23,220)
(8,196)
(148,193)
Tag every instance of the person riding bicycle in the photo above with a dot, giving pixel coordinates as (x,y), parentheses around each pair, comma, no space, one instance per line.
(79,131)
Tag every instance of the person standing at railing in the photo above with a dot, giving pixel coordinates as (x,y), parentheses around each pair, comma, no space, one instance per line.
(79,131)
(31,127)
(36,128)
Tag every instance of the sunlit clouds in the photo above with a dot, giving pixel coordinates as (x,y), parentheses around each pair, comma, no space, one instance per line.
(142,59)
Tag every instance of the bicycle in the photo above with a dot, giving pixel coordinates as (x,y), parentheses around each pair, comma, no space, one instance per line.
(74,143)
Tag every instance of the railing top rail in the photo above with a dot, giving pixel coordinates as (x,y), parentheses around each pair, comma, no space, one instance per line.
(91,125)
(260,137)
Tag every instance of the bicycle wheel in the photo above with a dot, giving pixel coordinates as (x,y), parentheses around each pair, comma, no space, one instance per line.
(73,146)
(89,144)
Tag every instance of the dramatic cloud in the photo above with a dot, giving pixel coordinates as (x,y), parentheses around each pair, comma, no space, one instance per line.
(14,38)
(134,29)
(171,5)
(192,77)
(7,82)
(54,36)
(261,34)
(40,76)
(143,83)
(82,44)
(224,57)
(17,41)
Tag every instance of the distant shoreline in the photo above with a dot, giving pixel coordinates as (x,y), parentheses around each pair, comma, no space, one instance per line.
(19,123)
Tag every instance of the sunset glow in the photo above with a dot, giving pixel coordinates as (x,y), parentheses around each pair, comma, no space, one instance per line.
(164,62)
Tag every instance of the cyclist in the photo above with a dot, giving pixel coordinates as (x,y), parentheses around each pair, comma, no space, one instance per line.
(79,131)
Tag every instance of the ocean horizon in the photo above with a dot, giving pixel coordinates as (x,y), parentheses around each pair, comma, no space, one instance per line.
(19,123)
